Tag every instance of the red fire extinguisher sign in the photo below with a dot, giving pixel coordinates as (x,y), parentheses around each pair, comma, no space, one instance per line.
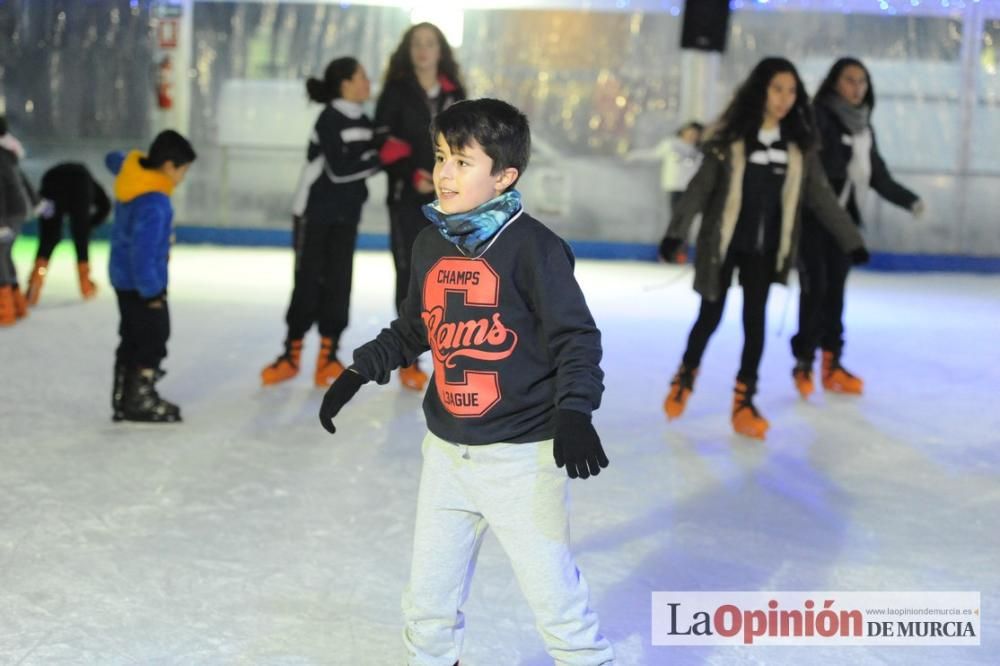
(164,83)
(166,32)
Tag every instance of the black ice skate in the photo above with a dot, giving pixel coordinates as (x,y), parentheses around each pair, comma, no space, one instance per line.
(118,393)
(142,403)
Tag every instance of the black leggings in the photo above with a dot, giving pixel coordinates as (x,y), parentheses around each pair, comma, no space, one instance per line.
(72,199)
(823,269)
(756,271)
(143,330)
(324,268)
(50,233)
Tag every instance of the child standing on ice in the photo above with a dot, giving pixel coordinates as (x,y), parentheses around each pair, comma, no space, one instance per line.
(140,243)
(326,214)
(516,377)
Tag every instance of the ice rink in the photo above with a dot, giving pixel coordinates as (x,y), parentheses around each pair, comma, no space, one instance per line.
(247,535)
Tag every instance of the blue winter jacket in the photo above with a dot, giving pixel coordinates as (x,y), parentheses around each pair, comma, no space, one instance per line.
(141,234)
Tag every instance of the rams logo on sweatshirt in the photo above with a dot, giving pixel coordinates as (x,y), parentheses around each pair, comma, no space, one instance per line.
(461,301)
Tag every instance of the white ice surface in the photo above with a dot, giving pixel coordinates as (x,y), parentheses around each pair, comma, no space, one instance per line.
(247,535)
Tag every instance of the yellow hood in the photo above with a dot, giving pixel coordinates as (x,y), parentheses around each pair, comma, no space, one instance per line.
(133,181)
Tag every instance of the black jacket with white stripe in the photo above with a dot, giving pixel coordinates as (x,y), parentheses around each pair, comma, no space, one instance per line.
(341,155)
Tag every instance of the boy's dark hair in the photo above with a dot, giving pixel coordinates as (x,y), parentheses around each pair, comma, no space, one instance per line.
(3,125)
(328,89)
(168,146)
(499,128)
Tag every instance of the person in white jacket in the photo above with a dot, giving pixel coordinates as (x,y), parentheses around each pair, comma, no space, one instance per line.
(680,156)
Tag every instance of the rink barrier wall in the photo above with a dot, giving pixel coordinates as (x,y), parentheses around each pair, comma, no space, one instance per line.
(583,249)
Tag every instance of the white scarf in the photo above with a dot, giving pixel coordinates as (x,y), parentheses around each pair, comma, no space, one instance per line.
(859,169)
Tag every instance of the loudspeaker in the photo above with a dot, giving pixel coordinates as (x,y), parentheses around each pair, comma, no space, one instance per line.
(705,25)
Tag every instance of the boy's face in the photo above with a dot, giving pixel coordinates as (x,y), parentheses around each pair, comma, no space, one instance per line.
(462,178)
(175,173)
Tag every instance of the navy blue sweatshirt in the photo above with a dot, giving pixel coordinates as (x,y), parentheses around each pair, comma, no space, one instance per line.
(510,331)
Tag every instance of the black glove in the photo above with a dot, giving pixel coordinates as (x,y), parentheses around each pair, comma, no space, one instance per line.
(577,445)
(669,248)
(338,395)
(859,256)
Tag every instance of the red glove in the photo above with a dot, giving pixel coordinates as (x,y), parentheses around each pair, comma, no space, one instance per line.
(420,177)
(394,150)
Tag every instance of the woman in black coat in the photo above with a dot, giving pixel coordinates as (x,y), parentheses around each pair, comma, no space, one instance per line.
(851,160)
(421,81)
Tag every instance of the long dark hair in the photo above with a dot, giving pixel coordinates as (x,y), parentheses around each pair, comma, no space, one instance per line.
(745,114)
(328,89)
(829,85)
(401,64)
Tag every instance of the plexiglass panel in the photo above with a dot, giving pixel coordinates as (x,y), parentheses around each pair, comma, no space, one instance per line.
(78,78)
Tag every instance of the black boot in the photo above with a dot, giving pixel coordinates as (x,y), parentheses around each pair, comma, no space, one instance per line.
(118,393)
(142,402)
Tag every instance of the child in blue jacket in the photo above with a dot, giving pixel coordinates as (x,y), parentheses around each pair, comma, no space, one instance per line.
(140,243)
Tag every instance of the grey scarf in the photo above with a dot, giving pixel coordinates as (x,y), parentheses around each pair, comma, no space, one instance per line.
(855,118)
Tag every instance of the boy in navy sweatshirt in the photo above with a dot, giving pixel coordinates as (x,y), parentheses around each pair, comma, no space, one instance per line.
(516,376)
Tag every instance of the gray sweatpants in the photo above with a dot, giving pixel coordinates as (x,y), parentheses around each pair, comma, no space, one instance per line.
(518,491)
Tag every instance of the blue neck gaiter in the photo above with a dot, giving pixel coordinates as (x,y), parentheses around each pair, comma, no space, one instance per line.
(472,230)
